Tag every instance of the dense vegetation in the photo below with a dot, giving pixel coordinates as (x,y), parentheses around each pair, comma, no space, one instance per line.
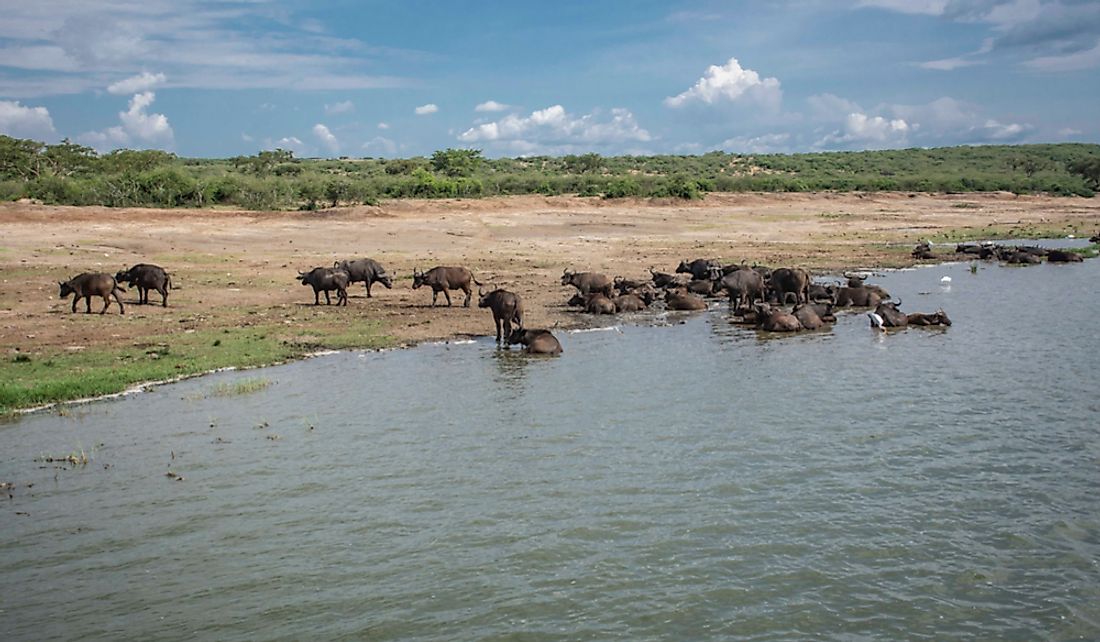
(67,173)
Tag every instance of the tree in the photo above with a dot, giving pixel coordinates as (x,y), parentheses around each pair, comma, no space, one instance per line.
(124,161)
(263,163)
(457,162)
(1088,169)
(583,164)
(20,158)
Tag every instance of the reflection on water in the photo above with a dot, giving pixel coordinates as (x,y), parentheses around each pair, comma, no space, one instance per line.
(696,480)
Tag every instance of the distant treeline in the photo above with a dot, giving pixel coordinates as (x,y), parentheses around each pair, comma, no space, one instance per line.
(72,174)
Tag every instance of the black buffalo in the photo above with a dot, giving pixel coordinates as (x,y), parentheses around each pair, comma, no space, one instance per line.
(145,277)
(700,269)
(326,280)
(507,308)
(796,281)
(365,271)
(588,282)
(89,284)
(536,341)
(443,279)
(744,286)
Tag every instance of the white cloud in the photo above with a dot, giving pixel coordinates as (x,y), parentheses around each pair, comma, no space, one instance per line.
(328,140)
(925,7)
(341,107)
(380,146)
(491,106)
(137,127)
(553,130)
(730,83)
(289,143)
(766,144)
(868,132)
(949,64)
(424,110)
(134,84)
(19,121)
(831,106)
(383,126)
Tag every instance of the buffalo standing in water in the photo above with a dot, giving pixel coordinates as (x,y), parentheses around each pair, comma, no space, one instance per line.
(536,341)
(507,309)
(86,285)
(443,279)
(145,277)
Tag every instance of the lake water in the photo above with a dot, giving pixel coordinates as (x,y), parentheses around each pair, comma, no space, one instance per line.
(679,478)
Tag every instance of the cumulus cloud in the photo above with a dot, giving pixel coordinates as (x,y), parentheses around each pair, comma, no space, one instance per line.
(868,132)
(19,121)
(341,107)
(729,83)
(491,106)
(326,138)
(136,127)
(555,130)
(424,110)
(383,126)
(135,84)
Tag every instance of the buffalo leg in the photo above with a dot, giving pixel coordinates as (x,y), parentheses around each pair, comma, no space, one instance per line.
(447,293)
(88,304)
(435,293)
(328,301)
(316,297)
(164,296)
(368,287)
(507,328)
(342,297)
(106,302)
(466,303)
(121,310)
(496,320)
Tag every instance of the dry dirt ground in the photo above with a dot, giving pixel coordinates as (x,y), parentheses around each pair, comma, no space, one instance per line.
(234,268)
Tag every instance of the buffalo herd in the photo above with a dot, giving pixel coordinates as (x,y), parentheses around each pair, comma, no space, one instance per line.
(758,296)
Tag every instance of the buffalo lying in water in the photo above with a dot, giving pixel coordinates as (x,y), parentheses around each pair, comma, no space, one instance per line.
(683,300)
(507,308)
(939,317)
(772,319)
(536,341)
(443,279)
(598,303)
(1062,256)
(89,284)
(145,277)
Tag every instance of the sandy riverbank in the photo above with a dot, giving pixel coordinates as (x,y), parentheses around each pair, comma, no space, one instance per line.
(236,268)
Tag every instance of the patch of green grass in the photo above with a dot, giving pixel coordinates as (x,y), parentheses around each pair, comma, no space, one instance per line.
(66,376)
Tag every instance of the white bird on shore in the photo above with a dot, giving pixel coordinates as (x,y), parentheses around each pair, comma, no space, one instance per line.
(946,280)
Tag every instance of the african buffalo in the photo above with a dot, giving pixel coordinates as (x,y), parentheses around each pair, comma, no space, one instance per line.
(664,280)
(444,279)
(700,269)
(629,303)
(86,285)
(702,287)
(627,285)
(683,300)
(923,251)
(775,319)
(784,281)
(598,303)
(537,341)
(937,318)
(891,316)
(365,271)
(743,286)
(822,292)
(813,316)
(1062,256)
(325,280)
(857,297)
(587,282)
(506,306)
(145,277)
(856,281)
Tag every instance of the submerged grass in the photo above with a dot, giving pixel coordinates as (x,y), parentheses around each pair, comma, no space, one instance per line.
(242,387)
(65,376)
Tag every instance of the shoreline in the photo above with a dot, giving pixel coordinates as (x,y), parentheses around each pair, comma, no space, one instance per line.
(238,306)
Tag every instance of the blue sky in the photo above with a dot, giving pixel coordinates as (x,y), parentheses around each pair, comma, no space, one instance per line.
(514,78)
